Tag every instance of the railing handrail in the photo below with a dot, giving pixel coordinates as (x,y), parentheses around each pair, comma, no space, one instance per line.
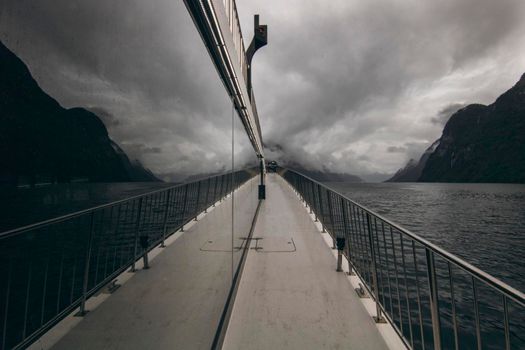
(481,275)
(22,229)
(124,231)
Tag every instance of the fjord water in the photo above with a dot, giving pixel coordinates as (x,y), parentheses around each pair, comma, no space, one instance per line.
(482,223)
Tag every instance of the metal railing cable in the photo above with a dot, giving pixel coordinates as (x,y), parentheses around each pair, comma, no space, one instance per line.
(432,298)
(52,267)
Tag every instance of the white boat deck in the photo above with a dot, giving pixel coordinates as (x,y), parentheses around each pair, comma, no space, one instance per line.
(289,296)
(295,299)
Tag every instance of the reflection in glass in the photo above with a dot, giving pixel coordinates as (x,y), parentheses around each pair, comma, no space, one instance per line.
(103,95)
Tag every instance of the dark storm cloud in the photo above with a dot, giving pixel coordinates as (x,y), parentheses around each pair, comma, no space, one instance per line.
(343,79)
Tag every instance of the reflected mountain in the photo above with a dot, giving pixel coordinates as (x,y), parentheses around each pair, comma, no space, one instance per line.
(40,141)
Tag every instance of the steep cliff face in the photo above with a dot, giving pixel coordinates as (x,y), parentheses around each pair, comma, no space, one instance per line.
(41,139)
(482,143)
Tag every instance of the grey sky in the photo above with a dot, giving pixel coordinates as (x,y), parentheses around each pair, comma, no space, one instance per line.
(351,86)
(344,83)
(141,66)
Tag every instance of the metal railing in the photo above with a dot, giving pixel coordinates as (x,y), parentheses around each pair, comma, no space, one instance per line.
(432,298)
(50,268)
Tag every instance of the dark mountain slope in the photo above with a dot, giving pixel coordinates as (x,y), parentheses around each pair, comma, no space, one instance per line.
(483,143)
(39,139)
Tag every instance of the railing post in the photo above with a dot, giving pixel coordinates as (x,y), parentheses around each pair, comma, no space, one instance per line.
(434,303)
(198,199)
(312,198)
(379,317)
(506,323)
(226,186)
(144,243)
(476,314)
(214,190)
(321,211)
(219,188)
(300,189)
(340,248)
(262,185)
(346,235)
(44,289)
(331,217)
(314,201)
(207,195)
(305,194)
(83,310)
(137,229)
(165,221)
(222,188)
(185,199)
(28,290)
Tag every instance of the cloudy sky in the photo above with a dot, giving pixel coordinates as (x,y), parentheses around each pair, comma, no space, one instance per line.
(141,66)
(351,86)
(362,86)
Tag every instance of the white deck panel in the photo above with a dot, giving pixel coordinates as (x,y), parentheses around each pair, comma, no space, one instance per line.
(296,300)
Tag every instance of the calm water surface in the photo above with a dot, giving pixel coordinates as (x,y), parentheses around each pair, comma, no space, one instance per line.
(482,223)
